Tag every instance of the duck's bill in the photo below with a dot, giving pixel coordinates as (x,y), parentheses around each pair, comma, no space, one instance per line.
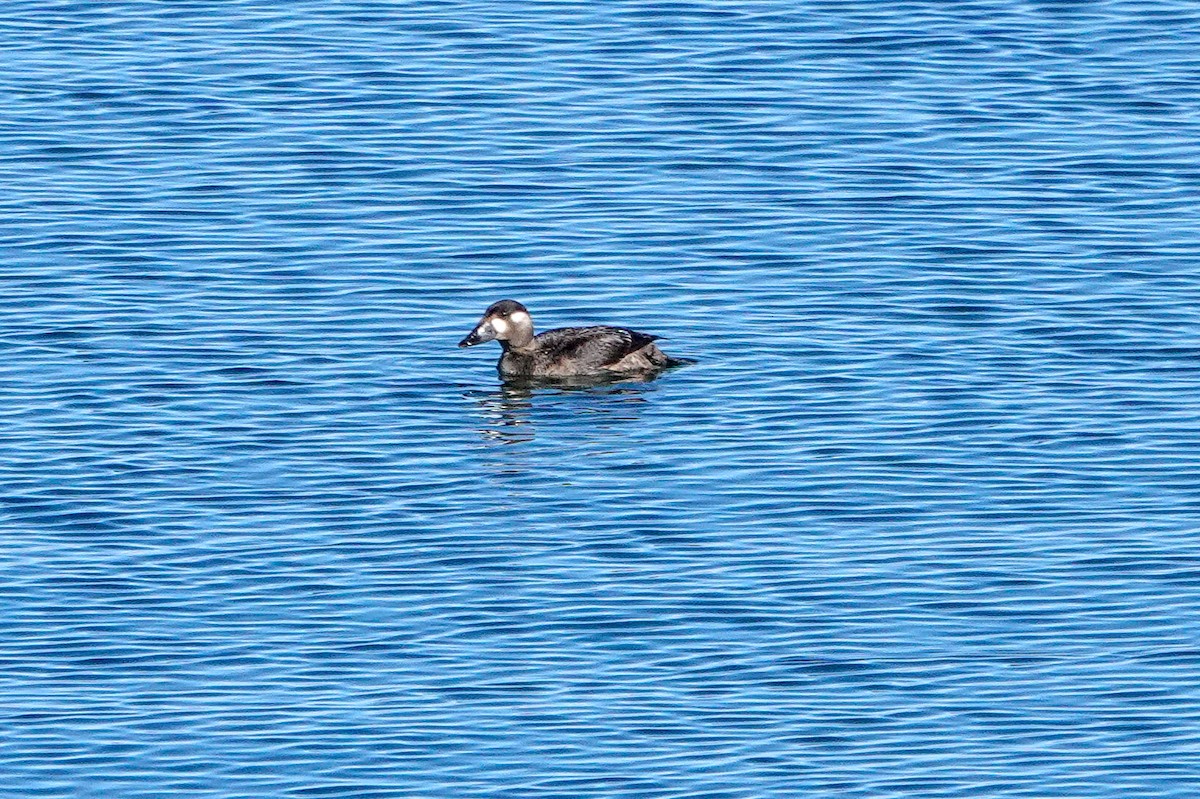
(479,335)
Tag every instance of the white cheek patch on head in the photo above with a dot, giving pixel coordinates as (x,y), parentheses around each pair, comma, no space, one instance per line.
(500,326)
(520,318)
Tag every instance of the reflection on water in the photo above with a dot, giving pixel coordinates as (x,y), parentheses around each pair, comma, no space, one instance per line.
(512,411)
(506,414)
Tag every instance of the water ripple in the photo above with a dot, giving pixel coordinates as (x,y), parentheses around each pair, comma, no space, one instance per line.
(919,521)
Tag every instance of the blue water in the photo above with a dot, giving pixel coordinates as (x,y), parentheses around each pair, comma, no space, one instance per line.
(922,520)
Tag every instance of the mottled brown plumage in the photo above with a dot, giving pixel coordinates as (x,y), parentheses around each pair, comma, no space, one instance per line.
(566,351)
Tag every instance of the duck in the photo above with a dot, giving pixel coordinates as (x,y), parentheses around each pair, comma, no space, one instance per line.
(566,352)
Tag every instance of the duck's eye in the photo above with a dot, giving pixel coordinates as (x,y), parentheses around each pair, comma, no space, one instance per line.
(500,326)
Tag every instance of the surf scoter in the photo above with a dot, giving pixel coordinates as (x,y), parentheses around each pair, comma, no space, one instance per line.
(567,351)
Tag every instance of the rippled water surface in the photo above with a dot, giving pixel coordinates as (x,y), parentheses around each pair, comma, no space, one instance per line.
(921,521)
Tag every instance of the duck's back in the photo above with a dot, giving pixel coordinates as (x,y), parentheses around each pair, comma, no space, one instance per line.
(570,351)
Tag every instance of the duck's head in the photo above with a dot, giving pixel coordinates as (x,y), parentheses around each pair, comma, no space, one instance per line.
(506,321)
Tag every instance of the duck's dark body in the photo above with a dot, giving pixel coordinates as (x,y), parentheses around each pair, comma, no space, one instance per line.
(572,351)
(567,351)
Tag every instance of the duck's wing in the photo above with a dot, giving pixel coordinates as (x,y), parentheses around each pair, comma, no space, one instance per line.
(597,346)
